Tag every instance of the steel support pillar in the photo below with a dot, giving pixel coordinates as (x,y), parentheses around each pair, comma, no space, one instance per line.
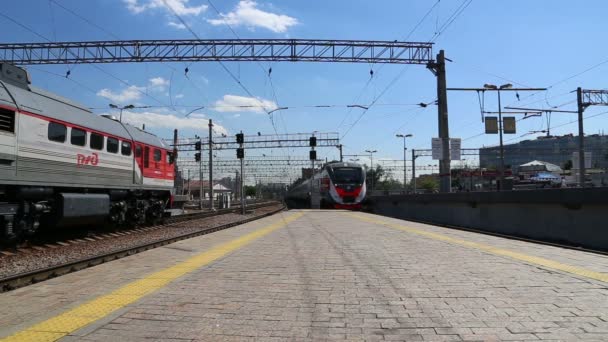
(438,69)
(210,164)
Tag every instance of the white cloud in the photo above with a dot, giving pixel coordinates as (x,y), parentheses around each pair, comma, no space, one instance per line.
(179,96)
(131,93)
(177,25)
(246,13)
(134,7)
(158,83)
(180,7)
(158,120)
(235,103)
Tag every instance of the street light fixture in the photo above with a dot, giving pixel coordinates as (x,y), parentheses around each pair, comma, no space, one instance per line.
(121,108)
(371,157)
(502,149)
(404,136)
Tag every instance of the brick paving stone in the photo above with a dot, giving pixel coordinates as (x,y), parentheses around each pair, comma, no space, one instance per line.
(330,276)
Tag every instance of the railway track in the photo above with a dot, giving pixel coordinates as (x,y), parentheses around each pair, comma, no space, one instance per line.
(14,281)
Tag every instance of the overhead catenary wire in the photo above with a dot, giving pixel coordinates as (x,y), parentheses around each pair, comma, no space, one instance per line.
(379,68)
(443,28)
(93,65)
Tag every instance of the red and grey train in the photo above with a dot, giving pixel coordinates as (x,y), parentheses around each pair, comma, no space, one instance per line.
(62,165)
(340,185)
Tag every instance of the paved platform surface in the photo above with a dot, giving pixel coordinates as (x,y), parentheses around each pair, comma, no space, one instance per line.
(324,275)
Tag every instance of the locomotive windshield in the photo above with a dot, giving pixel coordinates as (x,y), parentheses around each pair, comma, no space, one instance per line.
(347,175)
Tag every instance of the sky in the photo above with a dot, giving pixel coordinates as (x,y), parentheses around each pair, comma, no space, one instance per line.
(548,44)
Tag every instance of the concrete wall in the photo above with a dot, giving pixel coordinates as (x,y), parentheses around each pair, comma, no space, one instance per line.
(577,217)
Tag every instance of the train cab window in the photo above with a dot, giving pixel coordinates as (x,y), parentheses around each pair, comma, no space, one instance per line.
(78,137)
(137,151)
(112,145)
(125,148)
(96,141)
(7,120)
(57,132)
(157,155)
(146,157)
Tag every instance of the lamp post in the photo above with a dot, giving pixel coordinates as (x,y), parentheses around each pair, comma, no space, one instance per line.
(404,136)
(371,157)
(501,175)
(121,108)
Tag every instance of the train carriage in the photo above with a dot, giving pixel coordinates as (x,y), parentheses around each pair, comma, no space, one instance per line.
(60,164)
(341,185)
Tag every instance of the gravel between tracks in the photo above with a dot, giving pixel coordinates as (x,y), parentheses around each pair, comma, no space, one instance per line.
(33,259)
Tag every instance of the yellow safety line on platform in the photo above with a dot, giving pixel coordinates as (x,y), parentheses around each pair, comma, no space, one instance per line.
(85,314)
(491,249)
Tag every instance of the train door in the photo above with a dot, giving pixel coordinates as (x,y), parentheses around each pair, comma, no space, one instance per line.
(139,160)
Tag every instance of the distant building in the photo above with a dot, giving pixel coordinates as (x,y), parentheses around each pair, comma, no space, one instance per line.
(554,149)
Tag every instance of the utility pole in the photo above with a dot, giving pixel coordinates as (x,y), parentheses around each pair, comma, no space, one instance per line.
(438,69)
(581,138)
(174,162)
(502,148)
(240,154)
(586,98)
(340,148)
(200,175)
(414,170)
(404,136)
(210,164)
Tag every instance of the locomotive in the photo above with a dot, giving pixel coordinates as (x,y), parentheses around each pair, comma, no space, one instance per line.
(340,185)
(62,165)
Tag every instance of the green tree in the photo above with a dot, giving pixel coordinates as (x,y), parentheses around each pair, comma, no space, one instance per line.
(429,183)
(250,190)
(377,174)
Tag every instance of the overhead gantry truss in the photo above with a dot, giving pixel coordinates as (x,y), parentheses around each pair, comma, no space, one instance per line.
(190,50)
(258,141)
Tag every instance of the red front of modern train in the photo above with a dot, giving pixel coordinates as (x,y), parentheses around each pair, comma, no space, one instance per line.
(346,185)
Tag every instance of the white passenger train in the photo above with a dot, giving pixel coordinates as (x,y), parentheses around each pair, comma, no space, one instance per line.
(60,164)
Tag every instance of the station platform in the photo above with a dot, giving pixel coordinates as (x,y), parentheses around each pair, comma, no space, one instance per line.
(323,275)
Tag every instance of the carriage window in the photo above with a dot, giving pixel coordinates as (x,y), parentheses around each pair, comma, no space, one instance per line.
(112,145)
(137,151)
(157,155)
(78,137)
(146,156)
(125,148)
(96,142)
(57,132)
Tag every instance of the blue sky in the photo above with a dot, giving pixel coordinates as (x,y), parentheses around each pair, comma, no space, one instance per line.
(527,43)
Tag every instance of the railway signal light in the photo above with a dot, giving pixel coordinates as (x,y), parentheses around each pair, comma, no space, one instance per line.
(312,142)
(240,153)
(197,157)
(313,155)
(240,138)
(197,145)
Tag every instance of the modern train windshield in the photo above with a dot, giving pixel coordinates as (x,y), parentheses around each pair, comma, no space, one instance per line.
(347,175)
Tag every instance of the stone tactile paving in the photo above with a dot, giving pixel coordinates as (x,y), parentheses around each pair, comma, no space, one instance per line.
(330,276)
(25,306)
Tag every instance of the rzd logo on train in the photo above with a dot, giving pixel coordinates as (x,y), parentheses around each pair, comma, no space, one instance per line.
(81,159)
